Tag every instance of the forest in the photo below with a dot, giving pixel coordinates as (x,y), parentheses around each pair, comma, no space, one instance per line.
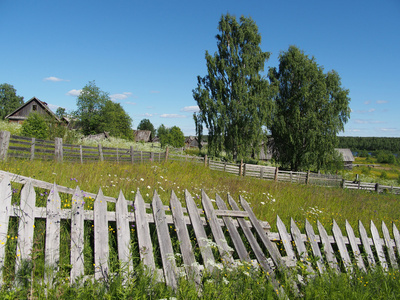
(391,144)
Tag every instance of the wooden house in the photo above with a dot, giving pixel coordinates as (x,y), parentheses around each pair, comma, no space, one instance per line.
(142,135)
(33,105)
(348,157)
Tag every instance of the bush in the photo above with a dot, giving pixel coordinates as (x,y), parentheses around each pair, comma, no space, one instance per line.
(35,126)
(384,175)
(385,157)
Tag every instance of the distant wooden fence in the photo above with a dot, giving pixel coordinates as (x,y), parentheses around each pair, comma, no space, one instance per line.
(31,148)
(256,244)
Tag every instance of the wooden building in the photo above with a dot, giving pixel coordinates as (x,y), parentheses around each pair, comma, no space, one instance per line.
(348,157)
(33,105)
(142,135)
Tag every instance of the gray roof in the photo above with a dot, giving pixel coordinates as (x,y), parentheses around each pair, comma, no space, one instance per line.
(347,154)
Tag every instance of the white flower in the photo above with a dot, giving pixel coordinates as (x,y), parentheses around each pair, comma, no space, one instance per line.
(132,192)
(141,179)
(148,187)
(262,203)
(246,273)
(147,195)
(224,280)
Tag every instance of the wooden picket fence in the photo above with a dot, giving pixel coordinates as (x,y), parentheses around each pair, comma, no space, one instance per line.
(254,243)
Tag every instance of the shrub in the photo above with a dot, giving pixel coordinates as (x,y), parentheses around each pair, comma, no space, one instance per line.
(35,126)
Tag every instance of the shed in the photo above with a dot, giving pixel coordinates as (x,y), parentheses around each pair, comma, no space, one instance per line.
(33,105)
(142,135)
(348,157)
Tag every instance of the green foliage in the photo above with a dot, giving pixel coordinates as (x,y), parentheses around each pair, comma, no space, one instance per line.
(115,120)
(12,127)
(385,157)
(9,101)
(171,136)
(97,113)
(60,112)
(234,98)
(35,126)
(384,175)
(145,124)
(363,153)
(310,109)
(391,144)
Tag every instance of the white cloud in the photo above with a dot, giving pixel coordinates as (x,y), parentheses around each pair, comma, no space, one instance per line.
(147,115)
(115,97)
(367,102)
(172,116)
(74,93)
(371,110)
(54,79)
(382,101)
(361,121)
(131,103)
(387,129)
(193,108)
(154,92)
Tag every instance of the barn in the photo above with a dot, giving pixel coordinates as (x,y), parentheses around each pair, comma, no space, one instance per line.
(33,105)
(348,157)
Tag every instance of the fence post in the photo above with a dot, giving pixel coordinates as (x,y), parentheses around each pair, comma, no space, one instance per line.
(101,152)
(166,154)
(152,156)
(225,167)
(244,169)
(343,185)
(81,153)
(241,168)
(159,157)
(33,149)
(58,149)
(276,173)
(4,143)
(141,156)
(261,172)
(117,155)
(377,188)
(308,177)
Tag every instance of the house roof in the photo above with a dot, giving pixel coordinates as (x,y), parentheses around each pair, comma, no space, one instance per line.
(347,154)
(41,103)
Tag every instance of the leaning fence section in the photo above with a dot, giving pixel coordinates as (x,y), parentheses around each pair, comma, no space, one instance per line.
(226,231)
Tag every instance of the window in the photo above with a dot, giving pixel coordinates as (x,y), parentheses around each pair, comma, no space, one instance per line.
(34,107)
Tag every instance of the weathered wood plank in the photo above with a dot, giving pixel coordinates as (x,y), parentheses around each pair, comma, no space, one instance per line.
(354,247)
(164,241)
(261,258)
(389,246)
(300,246)
(378,246)
(123,233)
(329,254)
(396,235)
(143,231)
(101,248)
(52,248)
(202,240)
(285,239)
(273,251)
(344,254)
(237,241)
(26,221)
(77,235)
(5,210)
(366,245)
(314,246)
(216,229)
(189,260)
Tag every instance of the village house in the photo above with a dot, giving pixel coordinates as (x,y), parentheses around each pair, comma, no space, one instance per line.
(33,105)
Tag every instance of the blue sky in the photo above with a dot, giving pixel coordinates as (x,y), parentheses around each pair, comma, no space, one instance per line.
(147,55)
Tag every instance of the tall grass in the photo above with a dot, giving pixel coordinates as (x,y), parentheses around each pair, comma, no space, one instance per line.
(267,198)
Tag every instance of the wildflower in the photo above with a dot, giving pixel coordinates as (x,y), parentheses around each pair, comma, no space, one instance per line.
(141,179)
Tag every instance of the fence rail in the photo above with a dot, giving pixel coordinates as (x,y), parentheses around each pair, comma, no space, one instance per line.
(256,244)
(31,148)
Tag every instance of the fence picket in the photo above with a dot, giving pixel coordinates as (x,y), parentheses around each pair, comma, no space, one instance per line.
(300,246)
(143,231)
(286,241)
(378,246)
(123,233)
(314,246)
(237,240)
(329,254)
(77,234)
(389,246)
(354,247)
(189,260)
(366,245)
(101,230)
(344,254)
(5,209)
(396,235)
(200,232)
(164,240)
(26,222)
(216,229)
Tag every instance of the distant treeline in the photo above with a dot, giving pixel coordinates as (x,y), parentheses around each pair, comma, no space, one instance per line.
(370,143)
